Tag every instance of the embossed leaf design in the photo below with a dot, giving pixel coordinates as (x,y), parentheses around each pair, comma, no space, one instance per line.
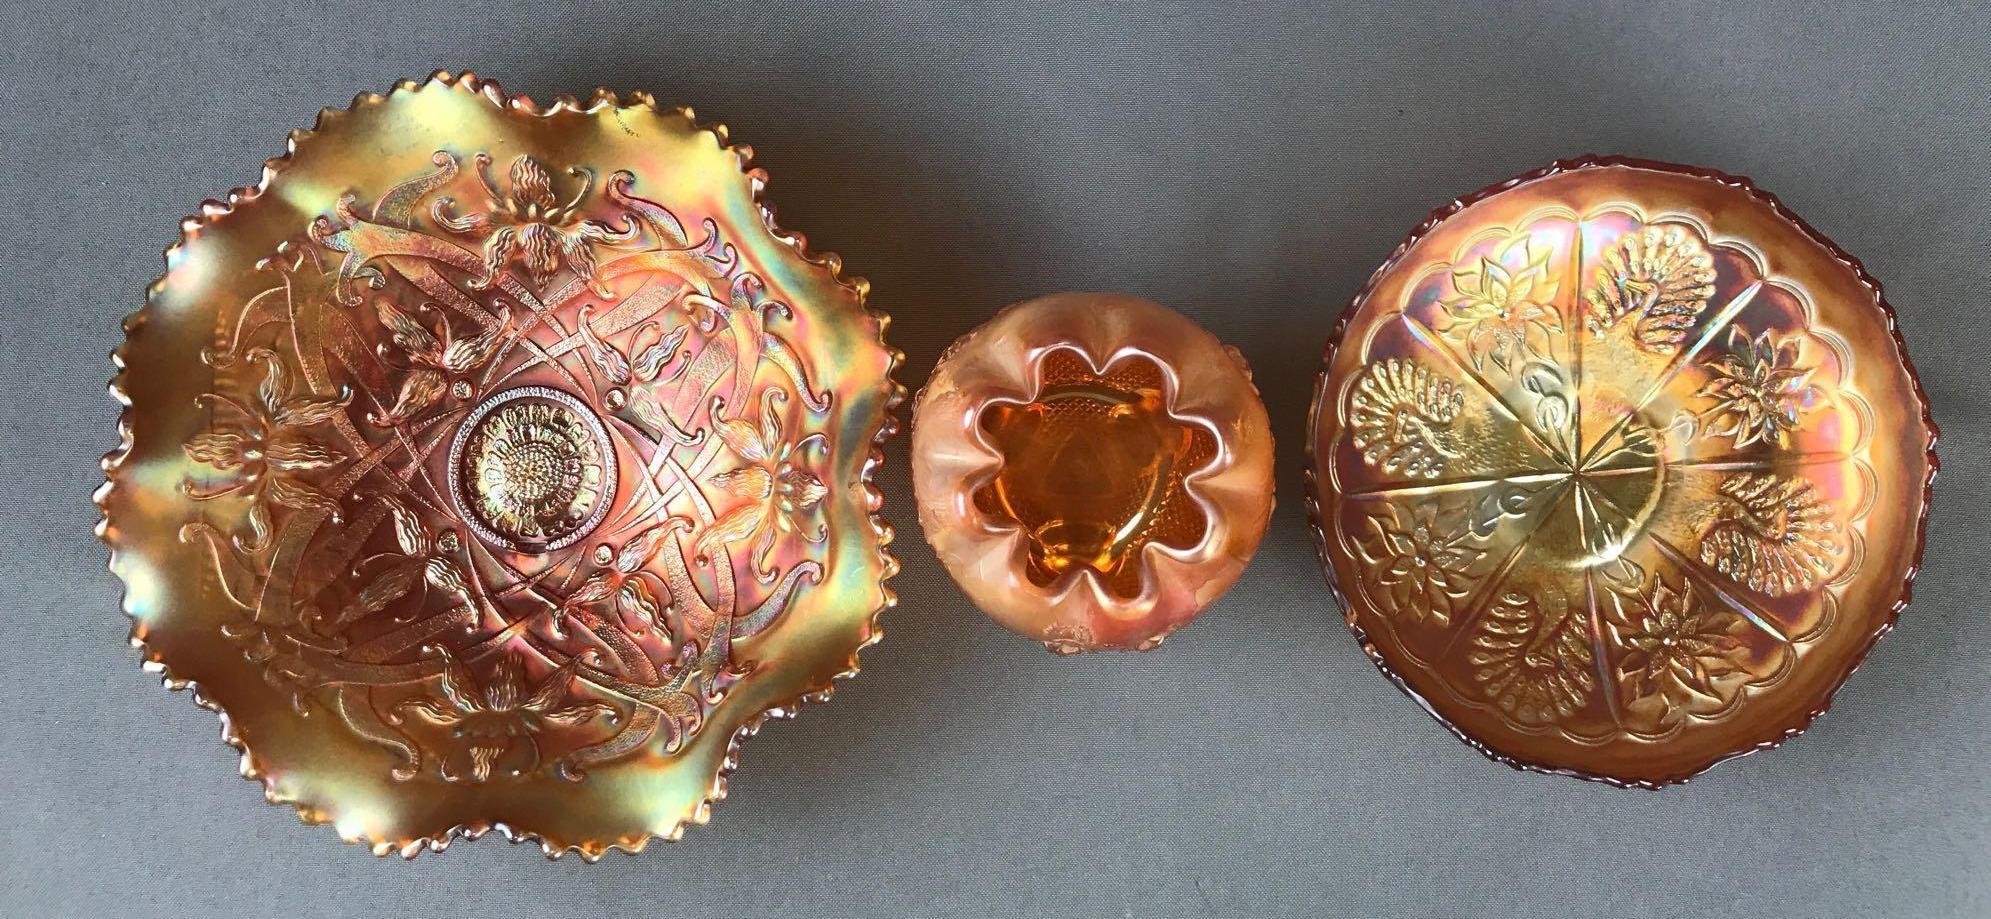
(613,363)
(393,583)
(470,353)
(635,602)
(424,558)
(420,390)
(651,360)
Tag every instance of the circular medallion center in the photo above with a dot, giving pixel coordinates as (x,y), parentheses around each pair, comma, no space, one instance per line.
(535,473)
(531,469)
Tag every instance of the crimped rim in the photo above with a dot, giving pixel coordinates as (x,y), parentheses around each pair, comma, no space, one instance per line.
(1798,724)
(211,210)
(1001,361)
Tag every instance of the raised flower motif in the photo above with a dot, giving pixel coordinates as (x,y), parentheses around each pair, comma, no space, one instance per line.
(1069,638)
(270,448)
(777,491)
(537,471)
(435,358)
(1501,308)
(1759,389)
(529,224)
(1423,566)
(427,558)
(492,718)
(1676,648)
(621,576)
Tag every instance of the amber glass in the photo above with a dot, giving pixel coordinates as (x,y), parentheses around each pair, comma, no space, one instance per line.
(498,465)
(1621,469)
(1093,470)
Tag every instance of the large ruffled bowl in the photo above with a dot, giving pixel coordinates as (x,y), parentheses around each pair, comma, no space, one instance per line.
(498,465)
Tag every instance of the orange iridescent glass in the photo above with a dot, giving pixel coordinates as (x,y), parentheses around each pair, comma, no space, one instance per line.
(1093,469)
(1621,469)
(498,465)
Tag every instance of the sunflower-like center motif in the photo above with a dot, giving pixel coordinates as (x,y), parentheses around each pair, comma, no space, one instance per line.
(531,469)
(532,473)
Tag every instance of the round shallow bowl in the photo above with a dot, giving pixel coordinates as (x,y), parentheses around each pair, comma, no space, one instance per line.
(497,465)
(1619,469)
(1093,469)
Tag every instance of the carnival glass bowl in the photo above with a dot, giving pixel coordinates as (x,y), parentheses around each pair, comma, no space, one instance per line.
(1093,469)
(1619,468)
(498,465)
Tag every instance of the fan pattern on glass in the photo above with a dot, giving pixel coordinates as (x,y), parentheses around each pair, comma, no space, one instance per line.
(1602,474)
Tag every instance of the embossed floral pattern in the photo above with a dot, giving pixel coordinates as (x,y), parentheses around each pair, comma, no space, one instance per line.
(491,720)
(1422,563)
(1677,647)
(1501,309)
(1597,531)
(778,492)
(269,448)
(622,577)
(529,224)
(426,558)
(537,468)
(1759,388)
(1064,638)
(366,650)
(434,357)
(454,568)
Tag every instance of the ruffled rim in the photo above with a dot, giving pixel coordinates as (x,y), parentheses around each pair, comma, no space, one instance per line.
(213,210)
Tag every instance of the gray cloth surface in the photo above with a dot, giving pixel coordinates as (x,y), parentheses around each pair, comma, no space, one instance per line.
(1249,164)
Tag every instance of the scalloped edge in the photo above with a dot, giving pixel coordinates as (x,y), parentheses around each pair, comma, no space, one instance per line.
(212,210)
(1084,582)
(1803,720)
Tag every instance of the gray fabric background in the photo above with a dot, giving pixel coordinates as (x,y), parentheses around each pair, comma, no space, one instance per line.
(1248,164)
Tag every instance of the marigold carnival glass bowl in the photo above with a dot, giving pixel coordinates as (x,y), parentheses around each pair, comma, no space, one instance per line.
(499,465)
(1093,469)
(1619,469)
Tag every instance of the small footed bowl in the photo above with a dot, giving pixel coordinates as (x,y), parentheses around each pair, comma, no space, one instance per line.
(1093,469)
